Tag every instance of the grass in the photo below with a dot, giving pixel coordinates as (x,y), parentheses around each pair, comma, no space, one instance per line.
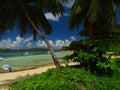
(68,78)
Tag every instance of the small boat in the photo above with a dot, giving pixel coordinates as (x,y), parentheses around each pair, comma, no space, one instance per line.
(26,53)
(1,58)
(8,67)
(48,52)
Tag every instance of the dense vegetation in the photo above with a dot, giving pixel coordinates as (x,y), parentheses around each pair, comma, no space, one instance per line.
(28,17)
(68,78)
(97,54)
(97,70)
(94,57)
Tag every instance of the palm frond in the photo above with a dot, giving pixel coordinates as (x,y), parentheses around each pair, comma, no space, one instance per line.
(12,11)
(117,3)
(98,16)
(78,13)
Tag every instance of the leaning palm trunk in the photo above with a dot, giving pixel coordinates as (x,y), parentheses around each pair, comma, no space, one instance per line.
(55,59)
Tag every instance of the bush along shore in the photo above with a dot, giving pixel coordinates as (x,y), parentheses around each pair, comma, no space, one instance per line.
(69,78)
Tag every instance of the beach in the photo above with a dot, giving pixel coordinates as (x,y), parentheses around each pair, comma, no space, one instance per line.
(11,77)
(30,61)
(27,66)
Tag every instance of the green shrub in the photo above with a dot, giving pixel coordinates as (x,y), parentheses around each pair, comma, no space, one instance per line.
(92,55)
(50,80)
(68,78)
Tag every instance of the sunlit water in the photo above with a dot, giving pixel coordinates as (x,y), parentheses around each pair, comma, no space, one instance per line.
(34,59)
(16,54)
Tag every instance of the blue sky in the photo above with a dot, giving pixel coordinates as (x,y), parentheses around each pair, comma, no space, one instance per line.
(61,35)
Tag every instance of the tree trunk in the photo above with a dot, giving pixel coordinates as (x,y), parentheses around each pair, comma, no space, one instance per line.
(55,59)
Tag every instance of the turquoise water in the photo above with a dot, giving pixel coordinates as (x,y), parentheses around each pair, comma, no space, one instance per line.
(31,61)
(14,54)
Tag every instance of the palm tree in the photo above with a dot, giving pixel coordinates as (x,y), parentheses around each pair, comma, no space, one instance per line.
(29,15)
(97,16)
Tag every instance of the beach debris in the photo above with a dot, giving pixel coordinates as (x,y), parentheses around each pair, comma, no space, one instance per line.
(8,67)
(1,58)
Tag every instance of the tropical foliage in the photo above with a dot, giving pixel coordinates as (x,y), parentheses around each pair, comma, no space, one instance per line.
(93,56)
(68,78)
(96,55)
(97,16)
(99,20)
(28,17)
(12,12)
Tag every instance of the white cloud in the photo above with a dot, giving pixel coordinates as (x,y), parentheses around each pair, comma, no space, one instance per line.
(69,4)
(28,39)
(59,43)
(67,42)
(72,38)
(29,43)
(17,43)
(5,43)
(50,16)
(41,44)
(55,44)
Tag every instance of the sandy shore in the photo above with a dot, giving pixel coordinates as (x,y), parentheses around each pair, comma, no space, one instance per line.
(12,77)
(31,61)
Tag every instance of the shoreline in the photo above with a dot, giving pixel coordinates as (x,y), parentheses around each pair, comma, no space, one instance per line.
(9,78)
(31,61)
(35,67)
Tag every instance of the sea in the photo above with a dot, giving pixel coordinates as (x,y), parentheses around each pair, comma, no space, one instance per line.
(23,53)
(25,60)
(28,59)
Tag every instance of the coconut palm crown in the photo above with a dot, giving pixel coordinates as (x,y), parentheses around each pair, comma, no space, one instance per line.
(29,17)
(12,11)
(97,16)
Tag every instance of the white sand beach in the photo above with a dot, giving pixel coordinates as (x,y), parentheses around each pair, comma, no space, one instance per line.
(30,61)
(26,66)
(12,77)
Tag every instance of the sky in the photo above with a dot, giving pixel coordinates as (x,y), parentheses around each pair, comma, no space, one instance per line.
(61,35)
